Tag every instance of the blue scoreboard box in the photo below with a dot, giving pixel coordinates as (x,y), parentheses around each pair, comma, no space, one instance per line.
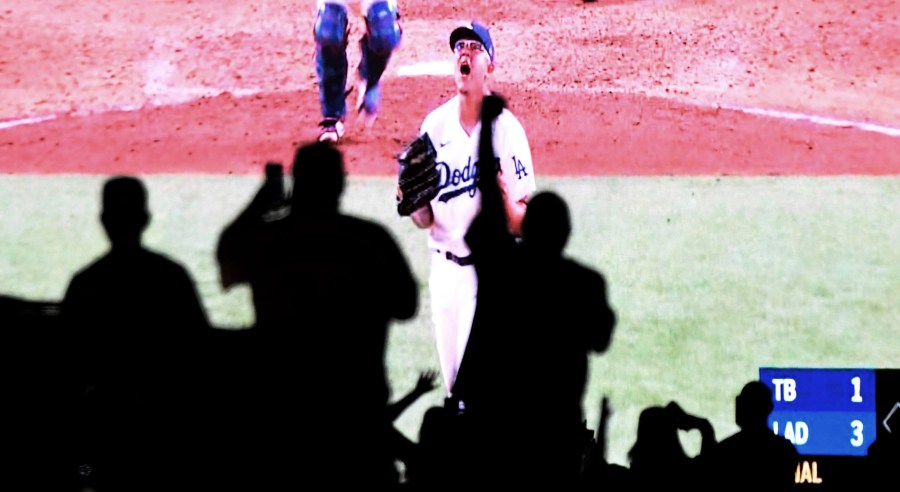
(833,415)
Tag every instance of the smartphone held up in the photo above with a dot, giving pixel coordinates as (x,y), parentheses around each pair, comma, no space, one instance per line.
(274,188)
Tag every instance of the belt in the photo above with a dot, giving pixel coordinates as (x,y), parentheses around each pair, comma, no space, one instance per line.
(459,260)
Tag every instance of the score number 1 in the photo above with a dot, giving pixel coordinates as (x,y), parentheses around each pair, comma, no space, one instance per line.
(856,398)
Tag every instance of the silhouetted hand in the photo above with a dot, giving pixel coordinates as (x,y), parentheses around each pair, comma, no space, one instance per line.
(427,382)
(492,218)
(686,422)
(492,106)
(683,420)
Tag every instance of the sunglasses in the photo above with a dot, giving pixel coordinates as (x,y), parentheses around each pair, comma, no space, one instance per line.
(468,45)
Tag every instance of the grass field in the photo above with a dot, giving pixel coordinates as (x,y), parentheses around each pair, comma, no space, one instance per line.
(711,277)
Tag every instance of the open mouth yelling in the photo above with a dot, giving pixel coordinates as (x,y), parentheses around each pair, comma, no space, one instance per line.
(465,68)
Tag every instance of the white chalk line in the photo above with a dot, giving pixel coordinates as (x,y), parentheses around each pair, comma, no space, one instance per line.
(890,131)
(26,121)
(432,68)
(175,96)
(161,94)
(819,120)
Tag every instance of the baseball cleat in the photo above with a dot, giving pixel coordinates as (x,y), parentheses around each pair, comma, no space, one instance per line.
(331,130)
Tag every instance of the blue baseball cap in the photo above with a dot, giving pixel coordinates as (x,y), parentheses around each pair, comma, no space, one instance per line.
(476,31)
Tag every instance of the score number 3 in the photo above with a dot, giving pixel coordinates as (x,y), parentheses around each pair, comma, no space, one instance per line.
(857,439)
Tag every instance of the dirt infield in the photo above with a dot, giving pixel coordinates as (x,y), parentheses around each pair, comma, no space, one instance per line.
(609,87)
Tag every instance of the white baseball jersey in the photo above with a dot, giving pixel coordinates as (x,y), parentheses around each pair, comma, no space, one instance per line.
(454,287)
(458,201)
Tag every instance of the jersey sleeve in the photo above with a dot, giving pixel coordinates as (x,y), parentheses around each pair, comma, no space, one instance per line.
(433,125)
(429,124)
(516,168)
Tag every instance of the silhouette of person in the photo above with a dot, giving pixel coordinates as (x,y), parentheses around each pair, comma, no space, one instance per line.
(325,288)
(548,434)
(489,442)
(572,298)
(657,458)
(438,464)
(134,315)
(38,394)
(762,459)
(597,472)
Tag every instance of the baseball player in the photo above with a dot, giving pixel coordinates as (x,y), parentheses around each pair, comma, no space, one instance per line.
(453,129)
(331,32)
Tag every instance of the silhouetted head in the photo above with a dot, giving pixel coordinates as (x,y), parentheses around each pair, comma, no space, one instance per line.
(319,177)
(657,439)
(125,214)
(753,405)
(546,225)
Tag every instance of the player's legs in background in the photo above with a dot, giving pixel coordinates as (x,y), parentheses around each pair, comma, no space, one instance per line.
(382,37)
(443,318)
(453,292)
(331,33)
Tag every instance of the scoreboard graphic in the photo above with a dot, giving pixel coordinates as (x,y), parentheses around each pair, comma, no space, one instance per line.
(832,416)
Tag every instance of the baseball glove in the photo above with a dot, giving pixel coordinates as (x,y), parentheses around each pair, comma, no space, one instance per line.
(419,178)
